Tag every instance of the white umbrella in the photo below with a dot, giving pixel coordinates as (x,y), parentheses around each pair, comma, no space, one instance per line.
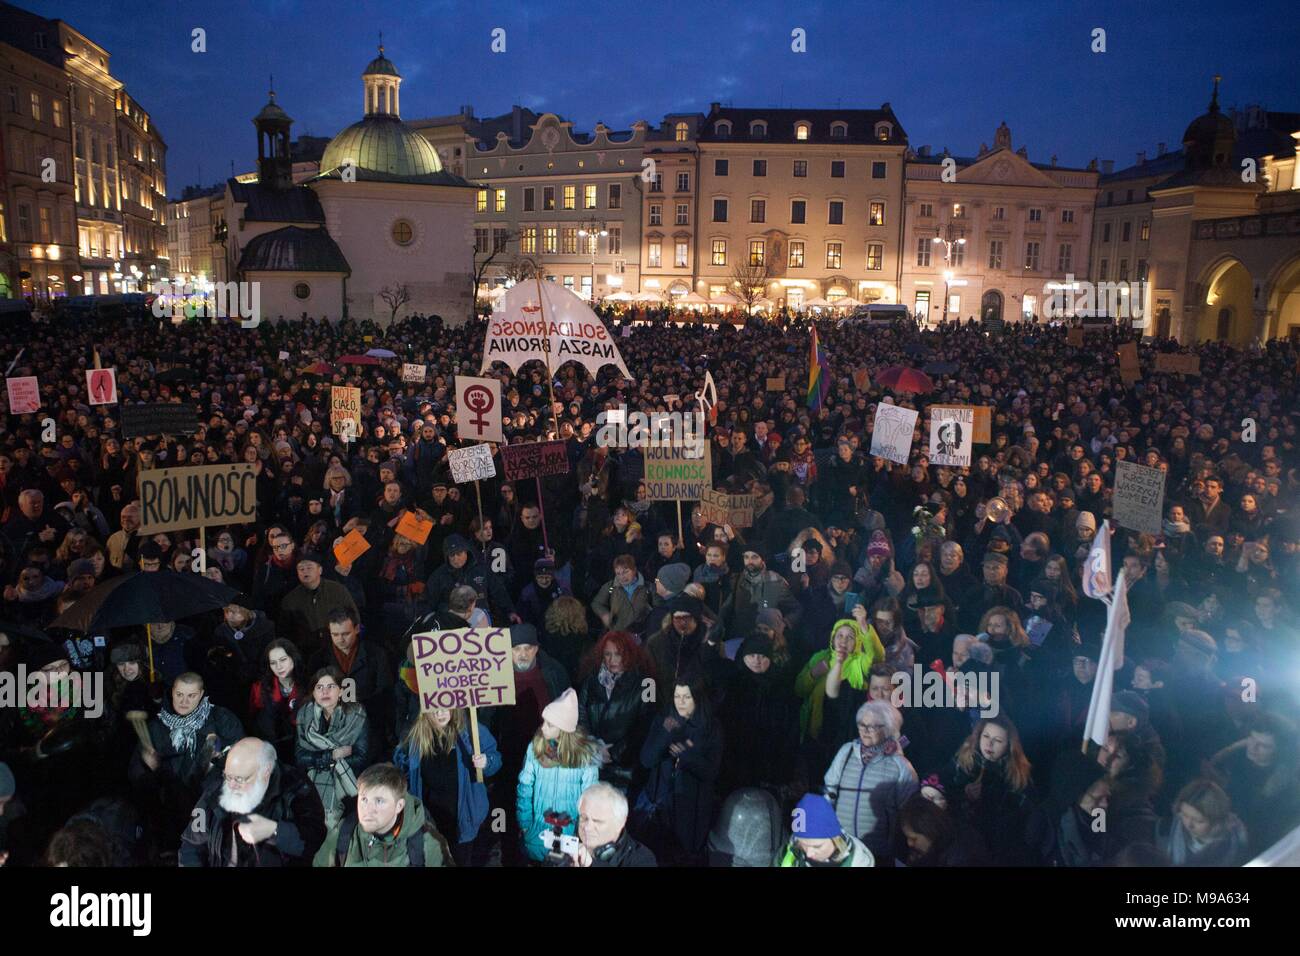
(763,303)
(846,302)
(496,292)
(620,296)
(817,302)
(648,296)
(693,298)
(724,298)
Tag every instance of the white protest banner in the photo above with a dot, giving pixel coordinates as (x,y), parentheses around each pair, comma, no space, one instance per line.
(176,498)
(283,356)
(478,409)
(952,432)
(536,318)
(892,436)
(101,383)
(671,474)
(24,394)
(465,667)
(471,464)
(1139,500)
(413,373)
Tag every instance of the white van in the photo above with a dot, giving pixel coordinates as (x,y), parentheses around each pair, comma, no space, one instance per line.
(879,314)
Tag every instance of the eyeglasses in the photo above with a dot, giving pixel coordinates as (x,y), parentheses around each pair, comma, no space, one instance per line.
(878,728)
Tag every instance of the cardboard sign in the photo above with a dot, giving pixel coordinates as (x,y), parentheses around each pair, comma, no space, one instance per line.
(283,356)
(672,475)
(719,508)
(1139,500)
(159,419)
(467,667)
(1178,364)
(1074,337)
(24,394)
(627,332)
(952,432)
(776,384)
(478,408)
(1129,369)
(535,459)
(471,464)
(892,436)
(345,405)
(984,424)
(175,498)
(413,373)
(353,546)
(414,527)
(101,384)
(862,379)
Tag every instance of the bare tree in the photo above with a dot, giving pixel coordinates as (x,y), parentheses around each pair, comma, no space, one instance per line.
(497,242)
(395,296)
(749,281)
(521,268)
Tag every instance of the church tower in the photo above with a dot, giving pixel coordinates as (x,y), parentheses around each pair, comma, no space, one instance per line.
(274,165)
(382,81)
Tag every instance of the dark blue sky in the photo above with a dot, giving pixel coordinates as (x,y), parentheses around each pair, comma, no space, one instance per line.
(951,71)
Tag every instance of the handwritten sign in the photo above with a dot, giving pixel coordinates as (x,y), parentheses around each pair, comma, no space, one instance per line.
(101,383)
(719,508)
(471,464)
(862,379)
(1173,362)
(1074,337)
(776,384)
(671,474)
(352,546)
(465,667)
(535,459)
(952,432)
(414,527)
(478,408)
(1129,369)
(174,498)
(1139,499)
(345,405)
(892,436)
(24,394)
(983,424)
(159,419)
(413,373)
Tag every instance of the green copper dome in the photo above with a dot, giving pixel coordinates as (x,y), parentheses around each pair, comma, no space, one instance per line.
(381,66)
(382,144)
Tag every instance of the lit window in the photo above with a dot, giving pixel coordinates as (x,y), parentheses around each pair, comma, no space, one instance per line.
(481,204)
(682,132)
(528,240)
(796,255)
(589,197)
(655,254)
(834,254)
(875,256)
(757,252)
(719,252)
(877,214)
(550,240)
(801,131)
(679,255)
(570,197)
(501,200)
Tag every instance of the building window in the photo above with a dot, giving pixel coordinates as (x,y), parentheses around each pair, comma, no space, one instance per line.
(586,287)
(480,204)
(834,254)
(1126,231)
(1141,271)
(839,131)
(550,240)
(657,183)
(798,210)
(800,168)
(801,131)
(883,132)
(683,182)
(302,290)
(1067,215)
(999,213)
(757,252)
(683,214)
(57,106)
(1032,251)
(568,283)
(500,205)
(878,170)
(528,240)
(615,196)
(721,166)
(1105,232)
(722,130)
(958,257)
(1035,215)
(570,197)
(719,252)
(569,240)
(46,227)
(758,130)
(589,196)
(796,255)
(995,254)
(403,233)
(927,210)
(654,255)
(1065,258)
(548,197)
(835,214)
(681,132)
(679,255)
(1123,270)
(875,256)
(758,210)
(837,169)
(530,199)
(877,216)
(958,210)
(923,251)
(1144,231)
(1103,269)
(719,210)
(36,106)
(760,167)
(656,214)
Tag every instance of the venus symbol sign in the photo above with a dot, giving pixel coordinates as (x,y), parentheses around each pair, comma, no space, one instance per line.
(478,408)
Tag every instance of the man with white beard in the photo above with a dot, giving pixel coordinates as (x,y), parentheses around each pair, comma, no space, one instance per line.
(254,811)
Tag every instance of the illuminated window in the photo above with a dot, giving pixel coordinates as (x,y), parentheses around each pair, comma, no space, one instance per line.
(403,233)
(682,132)
(654,255)
(719,252)
(801,131)
(656,214)
(679,255)
(36,106)
(550,240)
(528,240)
(875,256)
(501,200)
(58,113)
(548,197)
(570,197)
(757,252)
(834,254)
(589,196)
(481,203)
(796,255)
(877,214)
(1144,231)
(883,132)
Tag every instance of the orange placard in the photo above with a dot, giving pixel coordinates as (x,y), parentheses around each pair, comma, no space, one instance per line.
(414,527)
(983,425)
(353,546)
(1129,369)
(862,379)
(1074,337)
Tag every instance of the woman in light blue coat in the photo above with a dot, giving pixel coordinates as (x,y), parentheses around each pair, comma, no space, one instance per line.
(561,762)
(869,780)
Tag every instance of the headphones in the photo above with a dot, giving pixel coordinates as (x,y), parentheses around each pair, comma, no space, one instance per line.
(605,852)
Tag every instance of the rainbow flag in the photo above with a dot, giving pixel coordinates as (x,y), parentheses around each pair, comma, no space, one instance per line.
(819,374)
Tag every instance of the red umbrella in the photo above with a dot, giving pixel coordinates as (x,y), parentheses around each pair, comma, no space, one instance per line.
(318,368)
(359,360)
(902,379)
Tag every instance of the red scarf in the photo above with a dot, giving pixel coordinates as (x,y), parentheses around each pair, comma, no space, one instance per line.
(346,661)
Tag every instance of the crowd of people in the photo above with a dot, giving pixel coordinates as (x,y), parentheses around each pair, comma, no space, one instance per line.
(715,695)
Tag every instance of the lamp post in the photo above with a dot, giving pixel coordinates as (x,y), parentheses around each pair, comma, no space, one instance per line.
(595,231)
(952,239)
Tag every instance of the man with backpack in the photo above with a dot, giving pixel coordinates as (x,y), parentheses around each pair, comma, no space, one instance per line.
(386,827)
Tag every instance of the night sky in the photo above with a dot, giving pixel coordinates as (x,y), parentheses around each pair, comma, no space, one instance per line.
(951,71)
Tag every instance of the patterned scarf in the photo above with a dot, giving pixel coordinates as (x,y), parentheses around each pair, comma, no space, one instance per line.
(887,749)
(607,681)
(184,730)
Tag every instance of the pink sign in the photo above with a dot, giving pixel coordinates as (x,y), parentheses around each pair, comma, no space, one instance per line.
(102,385)
(24,394)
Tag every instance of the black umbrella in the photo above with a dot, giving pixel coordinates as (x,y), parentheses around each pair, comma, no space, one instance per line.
(915,349)
(144,597)
(181,374)
(940,368)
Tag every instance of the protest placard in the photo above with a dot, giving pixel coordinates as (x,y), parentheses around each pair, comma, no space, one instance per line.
(952,432)
(353,546)
(101,384)
(671,474)
(478,409)
(413,373)
(535,459)
(983,425)
(174,498)
(465,667)
(1074,337)
(24,394)
(471,464)
(1139,499)
(892,435)
(776,384)
(159,419)
(412,526)
(720,508)
(345,405)
(1129,369)
(1173,362)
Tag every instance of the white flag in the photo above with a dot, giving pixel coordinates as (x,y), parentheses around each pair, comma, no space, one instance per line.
(1097,571)
(1112,658)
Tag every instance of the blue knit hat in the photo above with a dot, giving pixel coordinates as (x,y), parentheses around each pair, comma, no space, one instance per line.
(814,819)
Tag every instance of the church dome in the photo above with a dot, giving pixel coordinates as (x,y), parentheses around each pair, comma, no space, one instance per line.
(381,66)
(382,144)
(1210,138)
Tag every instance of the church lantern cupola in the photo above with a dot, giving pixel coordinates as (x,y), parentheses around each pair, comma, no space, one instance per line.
(382,82)
(274,165)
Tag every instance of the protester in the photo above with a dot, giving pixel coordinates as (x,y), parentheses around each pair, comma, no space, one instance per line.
(818,840)
(387,827)
(561,763)
(602,828)
(333,746)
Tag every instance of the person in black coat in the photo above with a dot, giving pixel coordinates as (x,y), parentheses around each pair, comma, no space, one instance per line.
(366,663)
(612,702)
(760,719)
(254,811)
(930,836)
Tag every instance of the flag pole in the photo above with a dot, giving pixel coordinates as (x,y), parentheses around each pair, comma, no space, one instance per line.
(546,353)
(541,508)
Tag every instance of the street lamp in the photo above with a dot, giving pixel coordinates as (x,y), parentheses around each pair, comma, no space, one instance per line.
(952,240)
(591,229)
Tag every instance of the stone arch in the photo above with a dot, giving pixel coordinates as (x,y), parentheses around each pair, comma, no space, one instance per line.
(1284,299)
(1225,306)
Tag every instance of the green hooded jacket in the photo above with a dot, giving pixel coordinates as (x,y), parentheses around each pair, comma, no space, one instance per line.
(867,650)
(387,850)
